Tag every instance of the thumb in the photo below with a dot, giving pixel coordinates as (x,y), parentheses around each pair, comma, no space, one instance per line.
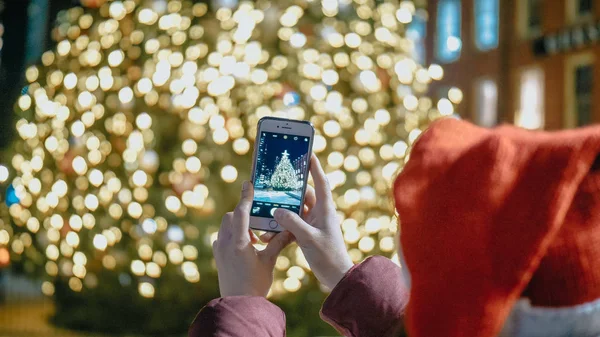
(293,223)
(277,243)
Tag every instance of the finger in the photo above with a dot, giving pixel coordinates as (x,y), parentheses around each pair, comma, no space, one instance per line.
(253,237)
(241,214)
(310,198)
(225,229)
(322,190)
(215,247)
(267,237)
(277,244)
(305,212)
(293,223)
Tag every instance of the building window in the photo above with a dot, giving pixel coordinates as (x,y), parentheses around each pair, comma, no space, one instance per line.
(486,24)
(416,32)
(584,7)
(579,86)
(578,10)
(584,82)
(530,18)
(448,44)
(530,112)
(486,102)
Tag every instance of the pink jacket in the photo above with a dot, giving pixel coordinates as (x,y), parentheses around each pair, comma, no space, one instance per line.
(369,301)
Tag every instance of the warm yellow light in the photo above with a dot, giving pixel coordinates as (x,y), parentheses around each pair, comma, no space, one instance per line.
(100,242)
(109,262)
(143,121)
(24,102)
(445,107)
(79,258)
(352,196)
(291,284)
(229,173)
(335,159)
(366,244)
(153,270)
(138,267)
(331,128)
(72,239)
(75,284)
(144,85)
(351,163)
(172,203)
(413,135)
(4,237)
(455,95)
(386,244)
(135,210)
(78,128)
(146,289)
(52,252)
(33,225)
(140,178)
(404,15)
(3,173)
(126,95)
(220,136)
(91,202)
(79,271)
(145,252)
(241,146)
(96,177)
(436,72)
(160,258)
(192,164)
(176,256)
(400,148)
(296,272)
(56,221)
(47,288)
(115,58)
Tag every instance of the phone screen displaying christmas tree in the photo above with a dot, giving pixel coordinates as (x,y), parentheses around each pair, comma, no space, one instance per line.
(281,169)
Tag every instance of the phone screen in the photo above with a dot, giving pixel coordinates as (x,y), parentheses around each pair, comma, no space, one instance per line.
(281,171)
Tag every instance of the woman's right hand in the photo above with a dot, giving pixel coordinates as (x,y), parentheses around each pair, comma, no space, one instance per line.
(319,234)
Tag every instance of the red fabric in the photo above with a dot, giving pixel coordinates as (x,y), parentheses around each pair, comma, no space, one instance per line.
(239,316)
(480,209)
(369,301)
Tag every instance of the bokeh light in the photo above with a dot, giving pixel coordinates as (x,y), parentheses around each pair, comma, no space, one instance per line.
(135,133)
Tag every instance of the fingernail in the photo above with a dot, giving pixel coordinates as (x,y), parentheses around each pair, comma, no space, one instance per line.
(246,185)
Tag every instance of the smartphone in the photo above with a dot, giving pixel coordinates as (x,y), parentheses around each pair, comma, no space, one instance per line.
(280,169)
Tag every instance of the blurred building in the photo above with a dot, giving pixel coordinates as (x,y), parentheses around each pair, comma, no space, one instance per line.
(528,62)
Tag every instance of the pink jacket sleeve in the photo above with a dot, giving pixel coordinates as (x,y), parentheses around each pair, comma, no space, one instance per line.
(235,316)
(369,301)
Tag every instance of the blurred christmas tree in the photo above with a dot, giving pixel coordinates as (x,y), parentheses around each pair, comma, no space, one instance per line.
(135,133)
(284,178)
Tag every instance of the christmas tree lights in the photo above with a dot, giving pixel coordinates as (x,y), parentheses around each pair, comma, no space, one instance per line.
(135,133)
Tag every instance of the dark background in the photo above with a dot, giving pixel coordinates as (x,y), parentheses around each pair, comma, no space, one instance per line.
(27,34)
(276,146)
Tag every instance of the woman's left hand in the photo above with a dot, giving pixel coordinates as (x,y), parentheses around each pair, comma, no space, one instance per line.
(243,270)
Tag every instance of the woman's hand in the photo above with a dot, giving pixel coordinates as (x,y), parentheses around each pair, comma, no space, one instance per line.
(319,234)
(243,270)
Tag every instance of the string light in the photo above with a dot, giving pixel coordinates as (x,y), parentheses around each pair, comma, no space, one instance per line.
(158,121)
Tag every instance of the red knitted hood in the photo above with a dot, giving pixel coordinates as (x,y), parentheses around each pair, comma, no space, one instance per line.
(488,216)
